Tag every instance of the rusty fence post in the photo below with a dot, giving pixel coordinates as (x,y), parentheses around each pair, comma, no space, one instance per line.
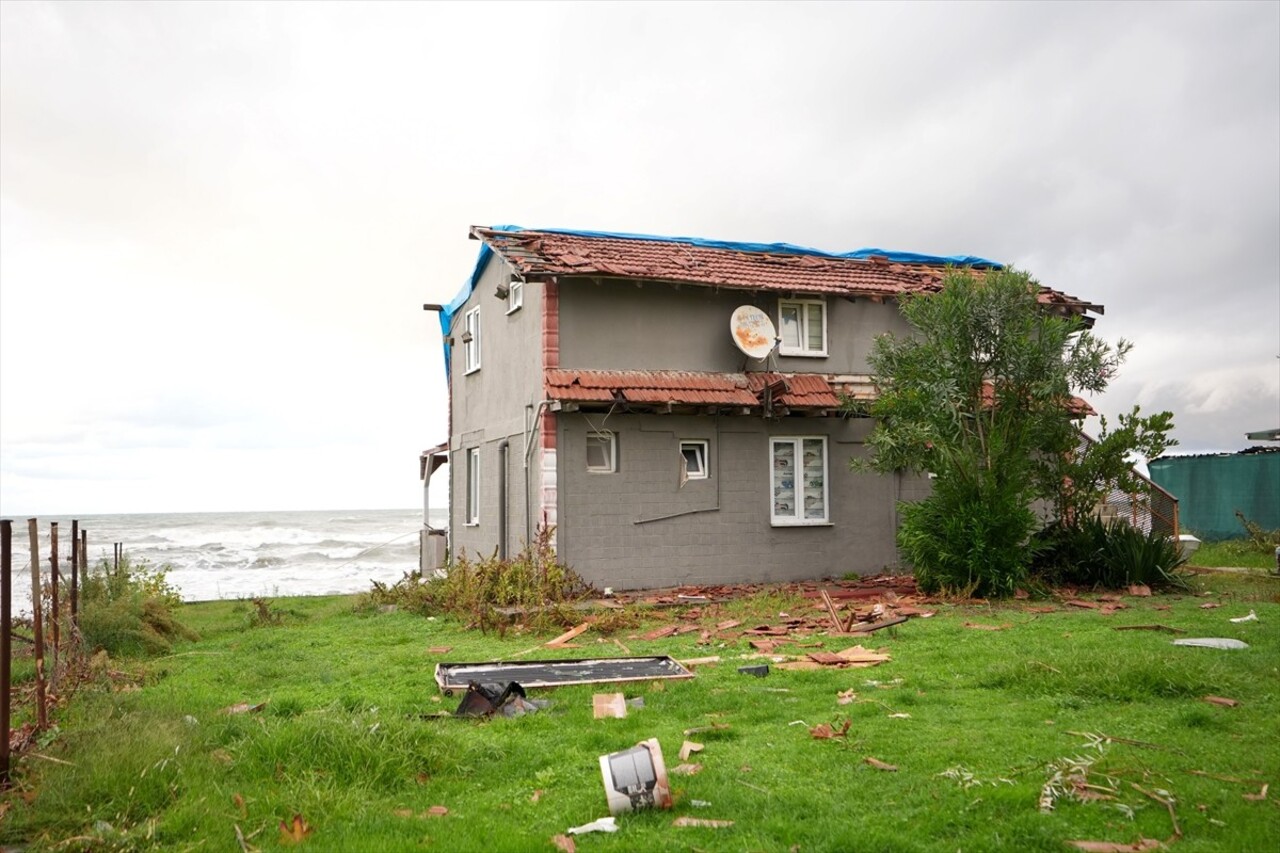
(75,577)
(55,613)
(6,625)
(33,531)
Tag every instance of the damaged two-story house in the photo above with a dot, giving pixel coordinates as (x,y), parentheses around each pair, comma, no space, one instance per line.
(596,389)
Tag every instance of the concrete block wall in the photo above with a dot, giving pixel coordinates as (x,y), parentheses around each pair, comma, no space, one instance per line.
(639,528)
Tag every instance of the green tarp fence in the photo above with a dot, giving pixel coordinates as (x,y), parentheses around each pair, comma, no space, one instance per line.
(1210,489)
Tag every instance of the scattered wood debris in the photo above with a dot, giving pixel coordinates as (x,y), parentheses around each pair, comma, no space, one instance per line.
(243,708)
(609,705)
(881,765)
(824,731)
(688,749)
(562,642)
(1258,797)
(1081,603)
(982,627)
(439,650)
(659,633)
(1116,846)
(685,769)
(701,821)
(1220,700)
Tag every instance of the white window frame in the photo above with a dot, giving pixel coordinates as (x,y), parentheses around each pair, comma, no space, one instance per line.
(515,296)
(703,449)
(612,440)
(802,311)
(473,487)
(471,348)
(796,517)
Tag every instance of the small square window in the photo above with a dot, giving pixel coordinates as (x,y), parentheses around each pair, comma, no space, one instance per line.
(802,324)
(602,453)
(515,297)
(693,460)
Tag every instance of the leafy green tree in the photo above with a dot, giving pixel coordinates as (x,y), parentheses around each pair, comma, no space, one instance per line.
(981,395)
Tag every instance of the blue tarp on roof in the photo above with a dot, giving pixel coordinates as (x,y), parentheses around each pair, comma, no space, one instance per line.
(482,261)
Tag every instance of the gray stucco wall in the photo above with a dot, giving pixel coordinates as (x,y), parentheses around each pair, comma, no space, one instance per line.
(490,405)
(615,325)
(606,533)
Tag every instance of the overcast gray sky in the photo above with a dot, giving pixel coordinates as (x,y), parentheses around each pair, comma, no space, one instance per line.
(219,221)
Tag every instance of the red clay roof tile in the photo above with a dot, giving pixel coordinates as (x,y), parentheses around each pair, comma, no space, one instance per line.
(688,388)
(553,253)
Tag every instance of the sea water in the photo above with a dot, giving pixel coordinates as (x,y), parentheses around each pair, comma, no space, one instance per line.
(215,555)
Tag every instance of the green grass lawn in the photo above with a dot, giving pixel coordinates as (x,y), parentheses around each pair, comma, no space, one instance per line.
(1234,553)
(347,741)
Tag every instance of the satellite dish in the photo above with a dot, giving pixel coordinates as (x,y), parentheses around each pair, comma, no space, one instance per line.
(752,331)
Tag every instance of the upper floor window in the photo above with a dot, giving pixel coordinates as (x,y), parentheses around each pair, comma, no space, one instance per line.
(802,324)
(798,476)
(515,296)
(602,453)
(471,340)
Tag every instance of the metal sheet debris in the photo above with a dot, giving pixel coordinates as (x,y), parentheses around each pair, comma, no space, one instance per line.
(1212,643)
(553,673)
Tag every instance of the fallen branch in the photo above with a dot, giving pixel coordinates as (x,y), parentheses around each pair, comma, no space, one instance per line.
(1141,743)
(51,758)
(1168,804)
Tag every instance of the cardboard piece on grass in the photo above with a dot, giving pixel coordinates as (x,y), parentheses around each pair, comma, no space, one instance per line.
(635,778)
(1212,643)
(688,748)
(607,705)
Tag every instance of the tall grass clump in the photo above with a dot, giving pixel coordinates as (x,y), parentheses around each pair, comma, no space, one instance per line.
(469,589)
(128,609)
(1094,553)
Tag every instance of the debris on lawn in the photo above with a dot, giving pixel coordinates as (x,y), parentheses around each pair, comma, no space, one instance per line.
(1209,605)
(1116,846)
(881,765)
(485,700)
(714,727)
(1252,617)
(604,824)
(901,715)
(1258,797)
(564,843)
(1212,643)
(436,811)
(439,650)
(965,778)
(1165,628)
(1220,700)
(824,731)
(700,804)
(981,627)
(635,778)
(759,670)
(710,660)
(844,697)
(868,627)
(685,769)
(243,708)
(562,641)
(609,705)
(1086,605)
(701,821)
(659,633)
(294,831)
(1140,590)
(688,748)
(553,673)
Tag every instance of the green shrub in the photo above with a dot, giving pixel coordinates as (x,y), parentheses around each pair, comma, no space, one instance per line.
(1097,554)
(471,589)
(968,538)
(128,609)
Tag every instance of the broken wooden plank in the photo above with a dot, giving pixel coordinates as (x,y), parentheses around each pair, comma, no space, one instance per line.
(558,642)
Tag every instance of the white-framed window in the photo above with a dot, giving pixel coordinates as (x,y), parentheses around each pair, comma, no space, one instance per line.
(693,460)
(471,340)
(798,480)
(473,486)
(515,296)
(602,453)
(802,325)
